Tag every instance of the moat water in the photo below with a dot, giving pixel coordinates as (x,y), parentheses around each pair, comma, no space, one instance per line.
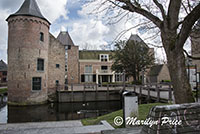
(56,111)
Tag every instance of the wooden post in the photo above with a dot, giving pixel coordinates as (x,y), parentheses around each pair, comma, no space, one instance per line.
(140,95)
(148,97)
(170,93)
(96,85)
(124,81)
(140,91)
(1,98)
(158,93)
(72,93)
(84,95)
(96,93)
(58,96)
(108,92)
(134,88)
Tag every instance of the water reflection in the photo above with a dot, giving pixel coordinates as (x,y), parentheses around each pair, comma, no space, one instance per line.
(3,114)
(59,112)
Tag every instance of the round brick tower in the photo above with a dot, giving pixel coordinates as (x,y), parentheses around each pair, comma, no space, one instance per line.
(28,41)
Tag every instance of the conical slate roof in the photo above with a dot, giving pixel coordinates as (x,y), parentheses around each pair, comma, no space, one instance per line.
(29,8)
(65,39)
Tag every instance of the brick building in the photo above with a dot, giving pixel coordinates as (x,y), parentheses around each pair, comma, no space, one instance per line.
(36,59)
(93,66)
(38,62)
(3,72)
(158,73)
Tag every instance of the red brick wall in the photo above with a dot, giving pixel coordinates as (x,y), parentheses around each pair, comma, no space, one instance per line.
(24,47)
(73,65)
(56,56)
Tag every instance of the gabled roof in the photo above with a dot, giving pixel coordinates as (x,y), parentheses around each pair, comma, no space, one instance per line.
(3,66)
(136,38)
(65,39)
(155,70)
(29,8)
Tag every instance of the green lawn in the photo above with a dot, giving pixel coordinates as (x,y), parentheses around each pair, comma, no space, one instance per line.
(3,90)
(143,112)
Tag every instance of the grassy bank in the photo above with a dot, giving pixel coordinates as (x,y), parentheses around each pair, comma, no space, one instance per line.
(3,90)
(143,112)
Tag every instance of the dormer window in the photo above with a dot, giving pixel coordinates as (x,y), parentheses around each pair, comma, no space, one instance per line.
(42,36)
(104,57)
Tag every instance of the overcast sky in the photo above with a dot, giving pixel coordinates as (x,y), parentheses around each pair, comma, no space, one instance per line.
(71,15)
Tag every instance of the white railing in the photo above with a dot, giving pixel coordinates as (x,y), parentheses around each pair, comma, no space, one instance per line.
(104,71)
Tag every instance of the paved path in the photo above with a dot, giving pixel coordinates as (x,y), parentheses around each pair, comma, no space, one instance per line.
(134,130)
(61,127)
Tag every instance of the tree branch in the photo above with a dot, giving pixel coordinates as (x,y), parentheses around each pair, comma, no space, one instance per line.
(185,8)
(187,25)
(189,56)
(128,5)
(160,6)
(173,12)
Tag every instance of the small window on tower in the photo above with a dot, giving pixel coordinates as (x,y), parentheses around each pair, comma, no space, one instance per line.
(57,65)
(57,82)
(40,64)
(41,36)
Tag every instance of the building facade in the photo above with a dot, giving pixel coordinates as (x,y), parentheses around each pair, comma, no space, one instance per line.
(35,58)
(94,66)
(38,62)
(158,73)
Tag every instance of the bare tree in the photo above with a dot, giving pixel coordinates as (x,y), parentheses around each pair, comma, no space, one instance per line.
(174,20)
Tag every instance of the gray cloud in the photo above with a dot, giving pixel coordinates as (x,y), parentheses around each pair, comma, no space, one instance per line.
(12,5)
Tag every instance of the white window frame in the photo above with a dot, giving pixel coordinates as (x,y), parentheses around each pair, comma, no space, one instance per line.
(86,71)
(105,56)
(118,77)
(88,78)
